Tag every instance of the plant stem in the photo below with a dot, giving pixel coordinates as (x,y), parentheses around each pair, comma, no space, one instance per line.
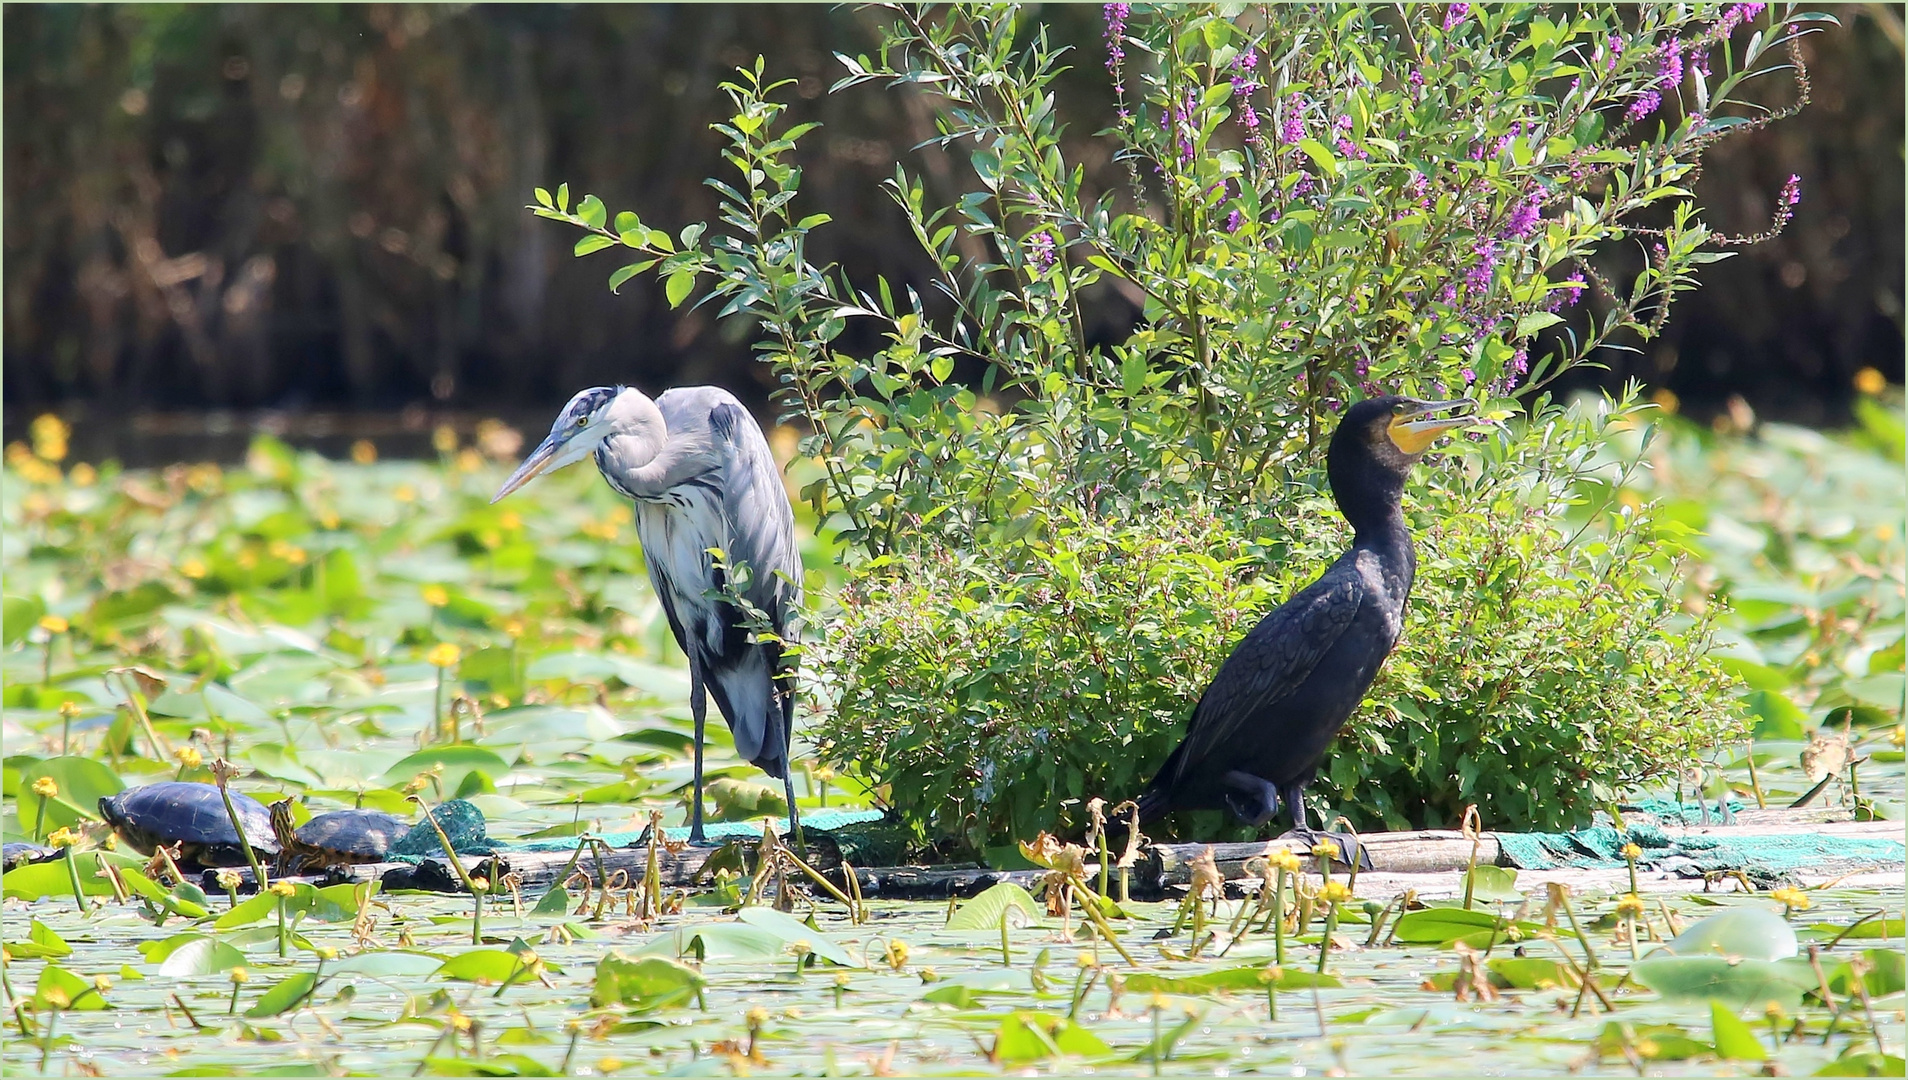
(1331,927)
(39,821)
(73,876)
(1006,954)
(1278,920)
(245,839)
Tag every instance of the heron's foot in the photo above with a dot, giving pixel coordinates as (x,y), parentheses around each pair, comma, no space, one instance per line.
(1305,840)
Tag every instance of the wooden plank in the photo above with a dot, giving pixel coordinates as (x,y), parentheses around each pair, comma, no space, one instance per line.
(1442,851)
(1426,851)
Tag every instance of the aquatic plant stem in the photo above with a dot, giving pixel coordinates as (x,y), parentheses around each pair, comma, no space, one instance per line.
(222,773)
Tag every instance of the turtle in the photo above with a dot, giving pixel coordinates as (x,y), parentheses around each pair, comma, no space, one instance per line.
(339,838)
(192,816)
(16,853)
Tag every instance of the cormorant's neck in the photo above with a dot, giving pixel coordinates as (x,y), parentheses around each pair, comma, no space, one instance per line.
(1369,496)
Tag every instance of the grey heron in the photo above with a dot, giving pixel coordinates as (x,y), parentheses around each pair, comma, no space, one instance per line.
(703,479)
(1261,728)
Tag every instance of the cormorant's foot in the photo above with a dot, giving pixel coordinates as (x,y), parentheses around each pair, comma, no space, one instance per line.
(1304,840)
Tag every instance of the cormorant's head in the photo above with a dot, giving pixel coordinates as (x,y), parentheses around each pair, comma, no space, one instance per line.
(1377,443)
(591,416)
(1396,431)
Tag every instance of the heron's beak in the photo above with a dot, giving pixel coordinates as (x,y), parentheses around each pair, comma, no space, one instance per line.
(539,460)
(1414,430)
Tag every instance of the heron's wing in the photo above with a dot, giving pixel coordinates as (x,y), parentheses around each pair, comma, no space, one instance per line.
(1275,658)
(760,521)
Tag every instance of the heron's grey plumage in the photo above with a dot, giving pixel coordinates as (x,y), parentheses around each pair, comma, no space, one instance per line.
(702,477)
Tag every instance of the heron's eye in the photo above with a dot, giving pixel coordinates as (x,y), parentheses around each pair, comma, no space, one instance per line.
(582,421)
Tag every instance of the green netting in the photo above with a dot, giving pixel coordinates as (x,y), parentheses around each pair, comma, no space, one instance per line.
(1765,856)
(1684,813)
(465,826)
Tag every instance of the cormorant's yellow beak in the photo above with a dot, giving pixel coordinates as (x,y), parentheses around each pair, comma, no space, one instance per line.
(1414,428)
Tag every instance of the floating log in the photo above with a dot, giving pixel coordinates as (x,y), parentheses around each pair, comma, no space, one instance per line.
(1163,866)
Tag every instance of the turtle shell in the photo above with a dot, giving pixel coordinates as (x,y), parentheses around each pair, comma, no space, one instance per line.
(361,835)
(192,816)
(16,853)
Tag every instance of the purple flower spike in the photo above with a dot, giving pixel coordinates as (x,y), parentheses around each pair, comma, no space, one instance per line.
(1454,15)
(1116,34)
(1644,105)
(1040,245)
(1234,220)
(1524,220)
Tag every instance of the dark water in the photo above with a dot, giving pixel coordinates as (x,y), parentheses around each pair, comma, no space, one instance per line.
(152,439)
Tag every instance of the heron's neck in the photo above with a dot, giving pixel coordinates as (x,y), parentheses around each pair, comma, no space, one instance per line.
(642,469)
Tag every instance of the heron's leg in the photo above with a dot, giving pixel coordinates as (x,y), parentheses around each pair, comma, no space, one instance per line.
(794,815)
(1258,800)
(699,709)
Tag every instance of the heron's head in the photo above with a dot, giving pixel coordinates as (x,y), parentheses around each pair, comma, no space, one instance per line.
(591,417)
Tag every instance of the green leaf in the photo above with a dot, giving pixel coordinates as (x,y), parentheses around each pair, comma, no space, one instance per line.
(82,782)
(458,761)
(1025,1035)
(1493,884)
(1752,932)
(563,197)
(554,901)
(645,983)
(489,966)
(984,911)
(543,197)
(1437,925)
(388,964)
(627,222)
(593,242)
(59,988)
(621,277)
(792,931)
(592,212)
(41,943)
(1739,984)
(201,955)
(1734,1041)
(679,285)
(284,996)
(1320,155)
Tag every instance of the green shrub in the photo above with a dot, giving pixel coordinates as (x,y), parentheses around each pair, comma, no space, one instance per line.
(1537,678)
(1320,202)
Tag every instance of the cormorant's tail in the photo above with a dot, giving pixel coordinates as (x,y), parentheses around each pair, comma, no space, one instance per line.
(1154,804)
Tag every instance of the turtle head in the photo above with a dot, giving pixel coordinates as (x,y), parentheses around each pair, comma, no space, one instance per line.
(282,826)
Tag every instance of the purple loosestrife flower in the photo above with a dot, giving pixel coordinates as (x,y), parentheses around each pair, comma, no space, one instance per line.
(1292,131)
(1419,189)
(1699,61)
(1520,360)
(1454,15)
(1644,105)
(1785,202)
(1523,220)
(1736,16)
(1669,66)
(1568,294)
(1040,246)
(1116,34)
(1234,220)
(1616,52)
(1469,376)
(1478,278)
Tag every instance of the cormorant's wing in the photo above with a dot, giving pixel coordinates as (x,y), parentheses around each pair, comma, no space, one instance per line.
(1275,658)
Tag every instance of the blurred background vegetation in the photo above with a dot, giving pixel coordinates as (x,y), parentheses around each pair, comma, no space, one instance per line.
(314,214)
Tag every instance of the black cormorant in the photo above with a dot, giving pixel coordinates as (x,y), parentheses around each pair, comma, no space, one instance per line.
(1260,730)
